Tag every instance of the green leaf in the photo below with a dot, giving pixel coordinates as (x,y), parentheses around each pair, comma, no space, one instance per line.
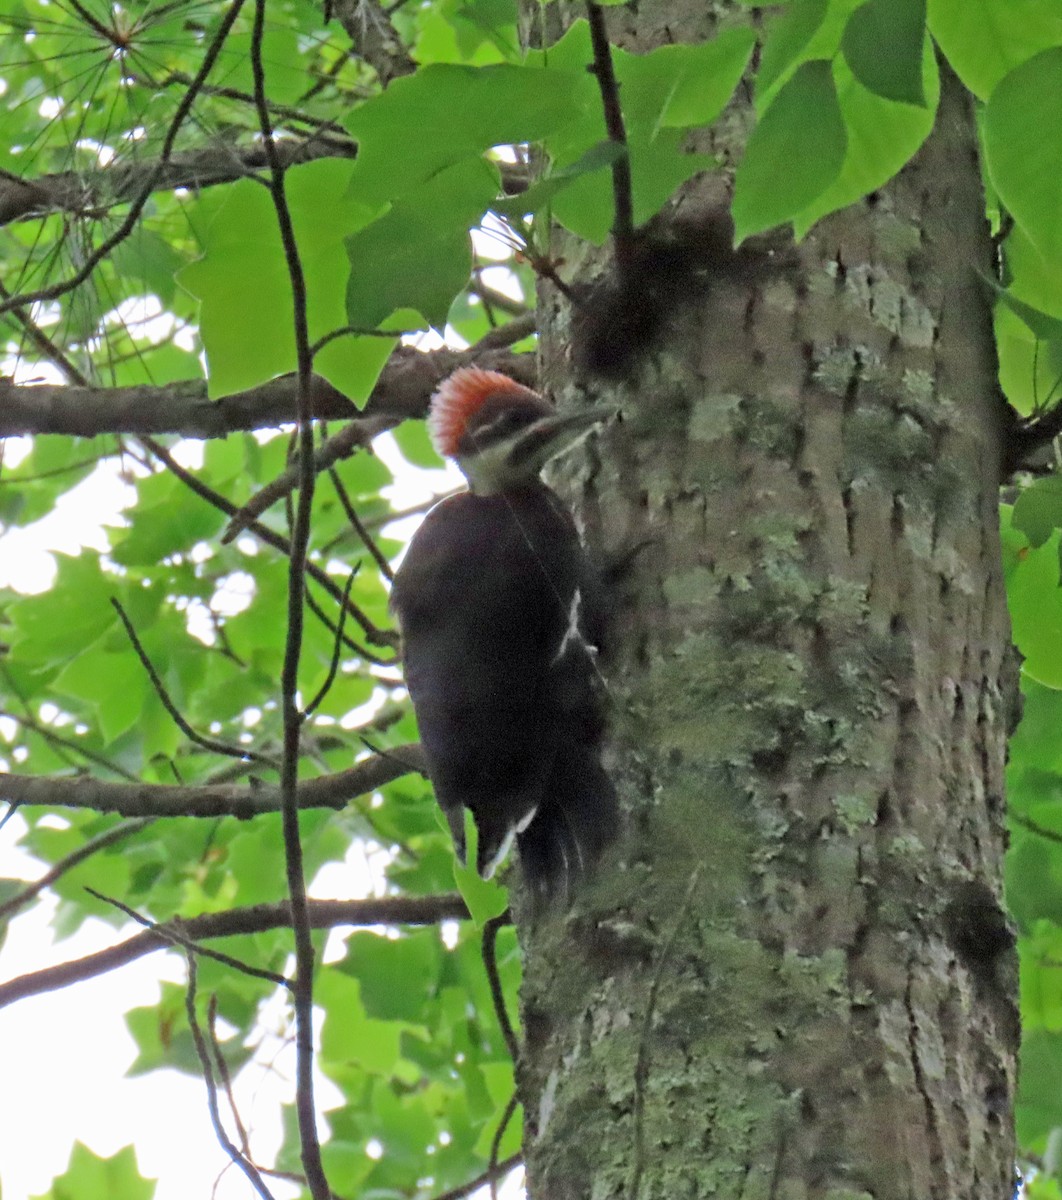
(1041,980)
(682,86)
(1038,510)
(53,466)
(162,1035)
(161,526)
(795,152)
(399,976)
(485,898)
(90,1177)
(1038,1106)
(881,137)
(1040,324)
(246,318)
(1035,599)
(538,195)
(986,39)
(74,612)
(883,44)
(352,1043)
(1023,144)
(473,32)
(789,36)
(418,255)
(444,114)
(414,441)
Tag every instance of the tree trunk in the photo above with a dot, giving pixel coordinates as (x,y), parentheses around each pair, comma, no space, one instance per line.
(794,978)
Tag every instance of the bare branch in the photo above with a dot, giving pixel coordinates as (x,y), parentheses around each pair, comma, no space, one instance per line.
(355,435)
(302,992)
(210,800)
(490,963)
(118,834)
(375,39)
(176,937)
(402,391)
(81,192)
(495,1145)
(323,914)
(202,1050)
(207,743)
(92,192)
(623,205)
(473,1185)
(337,651)
(359,527)
(380,637)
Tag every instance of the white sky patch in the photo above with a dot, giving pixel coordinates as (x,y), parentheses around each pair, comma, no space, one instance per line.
(78,520)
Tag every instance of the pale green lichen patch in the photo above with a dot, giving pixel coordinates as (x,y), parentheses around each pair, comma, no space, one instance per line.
(714,416)
(853,812)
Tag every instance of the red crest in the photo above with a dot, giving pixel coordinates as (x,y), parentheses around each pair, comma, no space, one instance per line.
(459,397)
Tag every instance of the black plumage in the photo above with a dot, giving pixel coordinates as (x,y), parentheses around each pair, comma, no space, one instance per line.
(494,598)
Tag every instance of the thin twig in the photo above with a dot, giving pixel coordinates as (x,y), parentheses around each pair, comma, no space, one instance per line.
(623,211)
(44,343)
(173,933)
(337,651)
(357,331)
(490,963)
(473,1185)
(68,743)
(226,1075)
(1033,827)
(355,435)
(100,842)
(300,922)
(367,540)
(380,637)
(495,1145)
(324,914)
(496,299)
(211,744)
(201,1049)
(140,201)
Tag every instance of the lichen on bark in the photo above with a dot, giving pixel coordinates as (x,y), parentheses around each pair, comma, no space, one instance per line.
(763,994)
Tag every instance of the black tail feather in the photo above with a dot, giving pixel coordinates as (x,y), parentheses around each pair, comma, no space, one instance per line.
(576,820)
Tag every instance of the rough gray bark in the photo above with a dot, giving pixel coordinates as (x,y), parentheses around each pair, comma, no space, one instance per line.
(794,980)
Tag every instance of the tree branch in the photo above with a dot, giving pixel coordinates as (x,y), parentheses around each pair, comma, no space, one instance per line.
(214,745)
(83,192)
(100,842)
(375,39)
(402,391)
(355,435)
(323,914)
(495,1172)
(202,1051)
(623,205)
(210,800)
(302,990)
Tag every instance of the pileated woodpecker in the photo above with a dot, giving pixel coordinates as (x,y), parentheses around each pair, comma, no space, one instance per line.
(492,602)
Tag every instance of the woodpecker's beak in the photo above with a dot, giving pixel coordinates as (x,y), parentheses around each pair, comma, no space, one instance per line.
(554,435)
